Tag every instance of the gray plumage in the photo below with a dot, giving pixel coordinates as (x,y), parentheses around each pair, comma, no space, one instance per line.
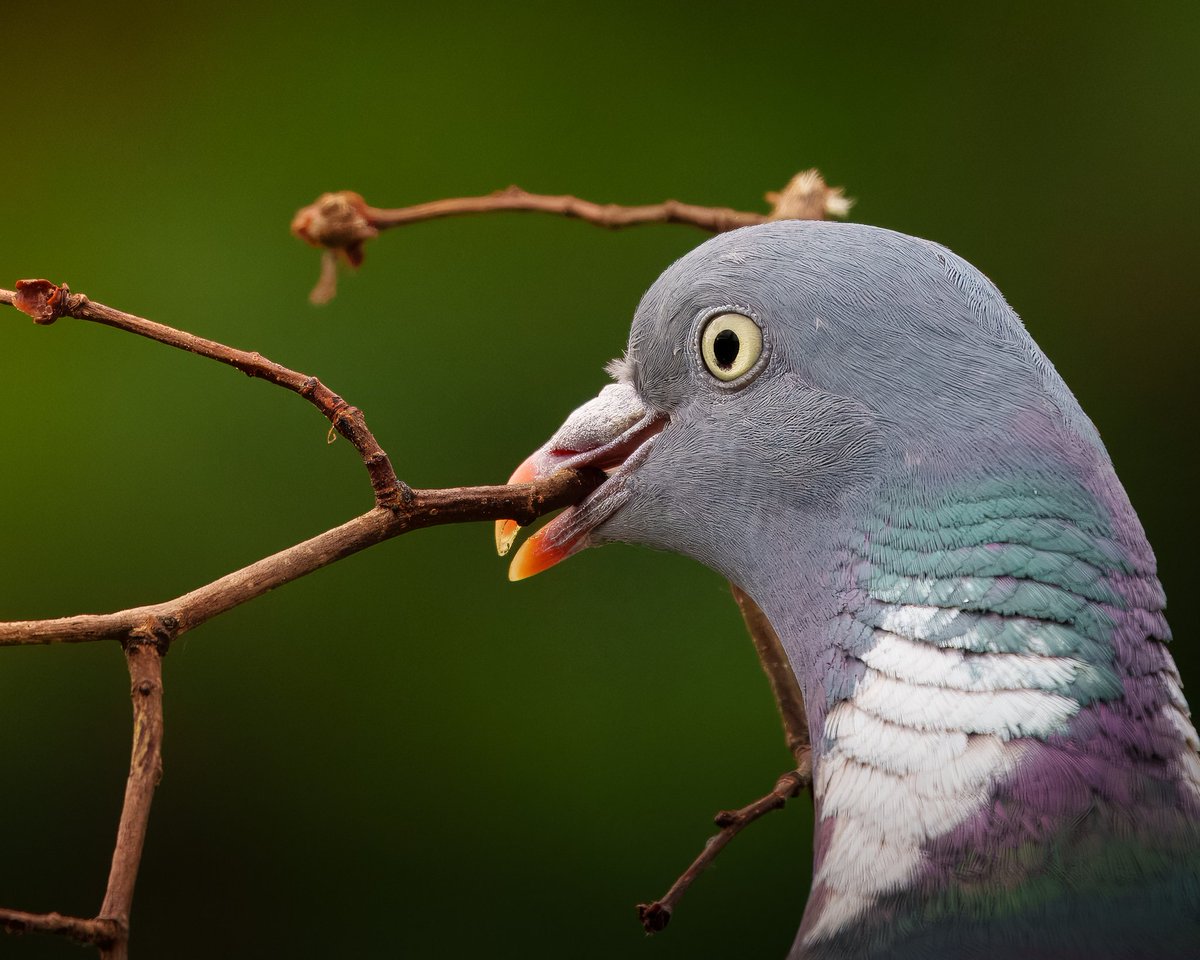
(1004,761)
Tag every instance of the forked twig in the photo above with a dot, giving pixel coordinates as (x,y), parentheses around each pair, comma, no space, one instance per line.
(109,930)
(146,632)
(656,915)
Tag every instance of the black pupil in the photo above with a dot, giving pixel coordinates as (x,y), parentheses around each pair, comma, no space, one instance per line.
(725,348)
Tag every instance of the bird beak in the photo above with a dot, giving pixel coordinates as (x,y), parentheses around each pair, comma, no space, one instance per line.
(613,432)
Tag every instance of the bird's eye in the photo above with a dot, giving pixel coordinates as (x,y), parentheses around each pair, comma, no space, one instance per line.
(730,345)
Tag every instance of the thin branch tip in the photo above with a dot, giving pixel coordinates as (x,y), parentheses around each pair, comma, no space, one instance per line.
(655,916)
(46,302)
(342,222)
(808,197)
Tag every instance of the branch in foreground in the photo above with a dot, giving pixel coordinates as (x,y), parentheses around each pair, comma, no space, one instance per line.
(47,302)
(100,933)
(343,222)
(147,632)
(110,929)
(425,508)
(655,916)
(144,657)
(779,673)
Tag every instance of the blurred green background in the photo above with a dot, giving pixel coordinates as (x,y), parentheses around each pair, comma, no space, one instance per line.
(404,755)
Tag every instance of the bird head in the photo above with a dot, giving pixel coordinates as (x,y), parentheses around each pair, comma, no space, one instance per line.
(774,377)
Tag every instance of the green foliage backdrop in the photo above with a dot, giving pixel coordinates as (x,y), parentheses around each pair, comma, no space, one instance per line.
(404,755)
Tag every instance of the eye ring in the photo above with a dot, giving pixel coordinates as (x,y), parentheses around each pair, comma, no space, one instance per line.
(731,345)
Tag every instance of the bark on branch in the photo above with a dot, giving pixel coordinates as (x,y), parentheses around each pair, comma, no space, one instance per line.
(425,508)
(146,632)
(109,930)
(656,915)
(144,657)
(98,933)
(783,682)
(47,302)
(343,222)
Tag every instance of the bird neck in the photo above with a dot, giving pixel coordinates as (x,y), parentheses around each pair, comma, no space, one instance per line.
(997,723)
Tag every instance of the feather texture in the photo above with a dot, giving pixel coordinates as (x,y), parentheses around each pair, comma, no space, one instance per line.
(1005,764)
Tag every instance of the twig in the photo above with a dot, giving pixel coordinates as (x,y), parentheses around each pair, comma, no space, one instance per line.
(99,933)
(343,222)
(655,916)
(147,631)
(109,931)
(46,302)
(426,508)
(144,657)
(779,673)
(399,508)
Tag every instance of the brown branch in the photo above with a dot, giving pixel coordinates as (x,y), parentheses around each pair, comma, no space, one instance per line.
(343,222)
(655,916)
(399,510)
(426,508)
(99,933)
(788,697)
(46,302)
(110,929)
(784,686)
(144,657)
(147,631)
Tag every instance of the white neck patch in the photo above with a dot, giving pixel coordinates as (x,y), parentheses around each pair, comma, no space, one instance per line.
(918,749)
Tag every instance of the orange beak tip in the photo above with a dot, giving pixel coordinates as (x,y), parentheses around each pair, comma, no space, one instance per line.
(533,557)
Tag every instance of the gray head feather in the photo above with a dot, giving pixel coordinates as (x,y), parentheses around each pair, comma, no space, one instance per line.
(883,351)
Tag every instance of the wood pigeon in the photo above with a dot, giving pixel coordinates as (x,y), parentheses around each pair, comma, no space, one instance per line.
(854,427)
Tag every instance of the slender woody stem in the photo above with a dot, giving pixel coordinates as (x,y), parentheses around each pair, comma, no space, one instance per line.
(655,916)
(46,302)
(343,222)
(784,686)
(146,632)
(426,508)
(96,932)
(144,657)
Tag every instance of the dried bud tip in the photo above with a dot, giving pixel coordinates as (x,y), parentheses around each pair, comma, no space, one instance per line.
(42,300)
(654,916)
(808,197)
(338,221)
